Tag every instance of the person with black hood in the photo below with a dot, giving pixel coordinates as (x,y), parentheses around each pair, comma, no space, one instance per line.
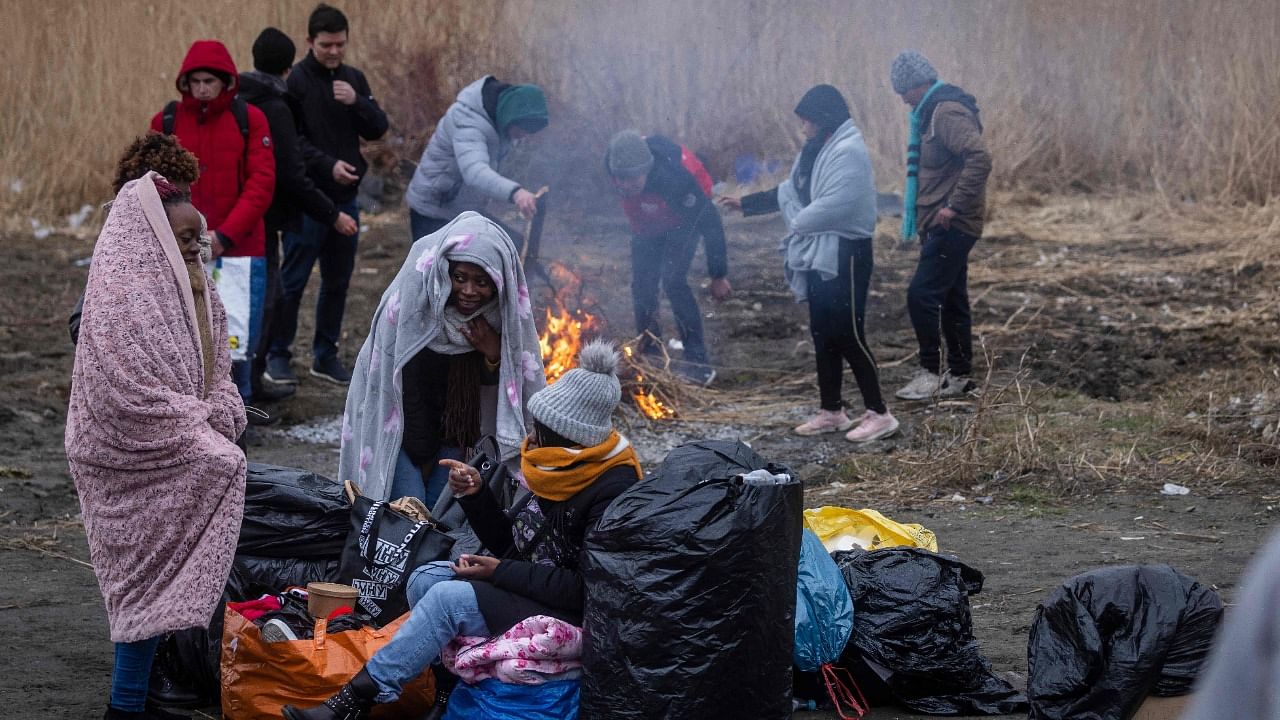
(335,111)
(947,169)
(829,206)
(296,193)
(459,167)
(666,195)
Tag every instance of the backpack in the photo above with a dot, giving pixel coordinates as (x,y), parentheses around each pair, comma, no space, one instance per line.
(239,109)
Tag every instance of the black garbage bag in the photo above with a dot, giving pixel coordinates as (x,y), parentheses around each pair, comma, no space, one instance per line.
(295,524)
(1108,638)
(912,628)
(292,513)
(691,591)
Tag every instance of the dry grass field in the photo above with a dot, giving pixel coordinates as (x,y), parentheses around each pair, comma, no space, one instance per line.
(1174,96)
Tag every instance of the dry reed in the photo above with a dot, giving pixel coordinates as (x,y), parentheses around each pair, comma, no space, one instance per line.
(1176,96)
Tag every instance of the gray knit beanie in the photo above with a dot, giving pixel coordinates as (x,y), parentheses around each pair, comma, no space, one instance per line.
(629,155)
(579,406)
(911,69)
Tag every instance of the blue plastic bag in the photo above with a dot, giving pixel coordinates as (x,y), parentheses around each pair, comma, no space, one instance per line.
(495,700)
(824,610)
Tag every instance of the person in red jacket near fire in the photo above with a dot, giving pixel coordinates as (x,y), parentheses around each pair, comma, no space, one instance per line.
(232,142)
(666,195)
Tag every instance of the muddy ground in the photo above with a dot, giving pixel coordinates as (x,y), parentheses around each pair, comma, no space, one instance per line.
(1120,352)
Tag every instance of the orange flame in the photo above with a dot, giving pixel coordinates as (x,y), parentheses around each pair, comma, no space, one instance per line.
(561,340)
(566,330)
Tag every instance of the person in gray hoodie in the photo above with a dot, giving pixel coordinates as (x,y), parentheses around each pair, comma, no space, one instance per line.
(829,206)
(459,168)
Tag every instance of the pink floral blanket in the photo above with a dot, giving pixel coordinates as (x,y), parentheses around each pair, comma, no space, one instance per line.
(160,479)
(535,650)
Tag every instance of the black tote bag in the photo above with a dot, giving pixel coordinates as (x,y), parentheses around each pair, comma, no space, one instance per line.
(383,548)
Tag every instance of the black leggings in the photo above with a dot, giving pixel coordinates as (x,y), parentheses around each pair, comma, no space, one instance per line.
(837,309)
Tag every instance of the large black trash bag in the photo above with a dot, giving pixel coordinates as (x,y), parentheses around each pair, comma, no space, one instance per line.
(691,592)
(292,513)
(295,525)
(1108,638)
(913,629)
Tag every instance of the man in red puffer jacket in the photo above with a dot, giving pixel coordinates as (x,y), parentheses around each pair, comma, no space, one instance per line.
(232,142)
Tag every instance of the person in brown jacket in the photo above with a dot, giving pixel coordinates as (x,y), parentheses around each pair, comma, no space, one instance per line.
(947,169)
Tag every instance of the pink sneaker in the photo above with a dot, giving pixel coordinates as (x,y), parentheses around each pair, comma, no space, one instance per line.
(826,421)
(873,426)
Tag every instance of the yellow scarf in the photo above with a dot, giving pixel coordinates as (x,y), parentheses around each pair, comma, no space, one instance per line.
(557,473)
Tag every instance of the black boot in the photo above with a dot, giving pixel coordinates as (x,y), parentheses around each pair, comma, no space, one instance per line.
(352,702)
(114,714)
(445,683)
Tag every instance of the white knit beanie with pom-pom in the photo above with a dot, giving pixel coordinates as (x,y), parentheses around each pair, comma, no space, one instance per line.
(579,406)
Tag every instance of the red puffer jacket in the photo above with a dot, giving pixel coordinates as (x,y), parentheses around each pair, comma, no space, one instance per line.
(236,183)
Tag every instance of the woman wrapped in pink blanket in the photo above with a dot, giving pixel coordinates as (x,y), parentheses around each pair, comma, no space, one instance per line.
(150,431)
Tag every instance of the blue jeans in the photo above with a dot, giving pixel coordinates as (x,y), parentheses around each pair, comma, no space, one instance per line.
(442,609)
(337,255)
(242,376)
(132,674)
(407,480)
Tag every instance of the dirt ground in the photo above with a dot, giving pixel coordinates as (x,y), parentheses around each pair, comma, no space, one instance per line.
(1123,347)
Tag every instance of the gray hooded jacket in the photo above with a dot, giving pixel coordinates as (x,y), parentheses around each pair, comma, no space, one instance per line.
(458,170)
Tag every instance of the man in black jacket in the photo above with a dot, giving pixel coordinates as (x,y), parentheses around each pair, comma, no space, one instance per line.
(666,195)
(295,192)
(335,109)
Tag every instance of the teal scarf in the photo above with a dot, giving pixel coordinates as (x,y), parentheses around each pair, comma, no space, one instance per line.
(913,167)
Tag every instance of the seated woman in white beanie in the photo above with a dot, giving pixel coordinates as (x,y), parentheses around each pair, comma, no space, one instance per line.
(575,463)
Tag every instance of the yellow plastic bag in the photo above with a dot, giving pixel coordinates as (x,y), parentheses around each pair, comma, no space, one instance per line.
(843,529)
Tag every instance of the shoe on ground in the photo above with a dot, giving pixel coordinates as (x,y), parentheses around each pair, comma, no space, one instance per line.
(954,385)
(826,421)
(265,392)
(331,369)
(276,630)
(924,386)
(279,372)
(699,374)
(873,426)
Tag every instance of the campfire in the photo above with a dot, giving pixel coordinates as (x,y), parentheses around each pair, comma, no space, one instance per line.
(569,324)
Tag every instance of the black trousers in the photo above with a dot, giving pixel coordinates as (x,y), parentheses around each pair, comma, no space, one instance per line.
(938,301)
(837,314)
(663,262)
(270,304)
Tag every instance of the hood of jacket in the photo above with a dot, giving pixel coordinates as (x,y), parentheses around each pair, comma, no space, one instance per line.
(471,98)
(209,55)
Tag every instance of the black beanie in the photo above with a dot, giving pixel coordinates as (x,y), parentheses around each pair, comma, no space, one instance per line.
(823,106)
(273,52)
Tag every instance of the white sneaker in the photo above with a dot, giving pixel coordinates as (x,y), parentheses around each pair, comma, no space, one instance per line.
(923,386)
(873,426)
(956,386)
(826,421)
(276,630)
